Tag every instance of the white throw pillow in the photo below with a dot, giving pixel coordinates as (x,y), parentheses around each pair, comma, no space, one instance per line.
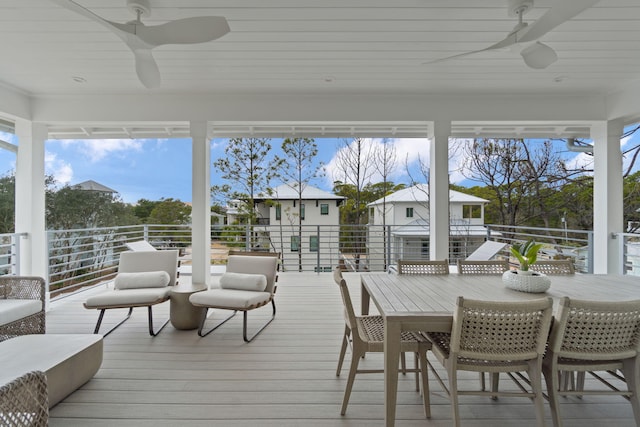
(146,279)
(243,281)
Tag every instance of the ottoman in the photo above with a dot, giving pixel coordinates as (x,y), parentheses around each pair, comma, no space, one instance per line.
(68,361)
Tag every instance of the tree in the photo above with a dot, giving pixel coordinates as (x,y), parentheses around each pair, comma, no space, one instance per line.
(520,179)
(248,168)
(142,209)
(385,161)
(7,204)
(300,154)
(355,163)
(170,211)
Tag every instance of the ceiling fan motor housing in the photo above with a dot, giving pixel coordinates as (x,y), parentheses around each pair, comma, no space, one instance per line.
(519,7)
(139,6)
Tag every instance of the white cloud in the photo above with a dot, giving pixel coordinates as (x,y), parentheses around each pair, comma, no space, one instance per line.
(97,149)
(61,170)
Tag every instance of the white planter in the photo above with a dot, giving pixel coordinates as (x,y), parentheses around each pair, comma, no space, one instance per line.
(526,281)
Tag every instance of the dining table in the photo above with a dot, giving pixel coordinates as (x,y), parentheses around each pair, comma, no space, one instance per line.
(427,302)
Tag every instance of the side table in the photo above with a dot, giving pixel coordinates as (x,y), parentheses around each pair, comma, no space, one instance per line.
(182,314)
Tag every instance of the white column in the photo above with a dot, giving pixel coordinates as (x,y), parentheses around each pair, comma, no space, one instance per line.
(201,204)
(439,190)
(30,202)
(607,196)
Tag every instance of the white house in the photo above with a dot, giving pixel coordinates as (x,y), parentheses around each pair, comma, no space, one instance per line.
(279,214)
(405,214)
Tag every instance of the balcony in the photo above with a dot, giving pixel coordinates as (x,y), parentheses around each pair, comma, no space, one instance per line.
(285,377)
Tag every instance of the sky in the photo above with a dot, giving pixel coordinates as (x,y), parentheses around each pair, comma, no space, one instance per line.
(161,168)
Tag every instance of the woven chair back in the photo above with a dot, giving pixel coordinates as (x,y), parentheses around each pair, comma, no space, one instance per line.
(554,267)
(482,267)
(491,330)
(423,267)
(596,330)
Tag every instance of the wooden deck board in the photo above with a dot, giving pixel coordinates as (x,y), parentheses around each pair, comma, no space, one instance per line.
(286,377)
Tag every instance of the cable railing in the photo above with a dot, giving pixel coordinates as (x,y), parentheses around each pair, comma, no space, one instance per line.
(84,257)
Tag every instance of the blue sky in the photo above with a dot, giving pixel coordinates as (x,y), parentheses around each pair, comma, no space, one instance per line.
(161,168)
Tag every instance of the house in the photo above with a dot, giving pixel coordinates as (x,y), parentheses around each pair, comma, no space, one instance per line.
(406,215)
(299,242)
(92,185)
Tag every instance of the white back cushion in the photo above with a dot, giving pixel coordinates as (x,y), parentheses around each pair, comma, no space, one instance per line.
(146,279)
(243,281)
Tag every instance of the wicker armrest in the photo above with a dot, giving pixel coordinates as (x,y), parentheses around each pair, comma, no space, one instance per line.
(24,401)
(22,287)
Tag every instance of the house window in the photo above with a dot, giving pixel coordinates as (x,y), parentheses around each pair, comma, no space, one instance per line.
(278,212)
(295,243)
(471,211)
(313,243)
(324,209)
(409,212)
(301,210)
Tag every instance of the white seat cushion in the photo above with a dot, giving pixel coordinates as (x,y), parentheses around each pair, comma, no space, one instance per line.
(15,309)
(242,281)
(128,297)
(229,298)
(144,279)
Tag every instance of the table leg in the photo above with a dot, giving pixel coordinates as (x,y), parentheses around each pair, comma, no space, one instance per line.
(391,357)
(364,299)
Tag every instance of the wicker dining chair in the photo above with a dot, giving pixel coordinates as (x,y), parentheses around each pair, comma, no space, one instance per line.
(482,267)
(495,337)
(367,336)
(24,401)
(554,267)
(423,267)
(590,337)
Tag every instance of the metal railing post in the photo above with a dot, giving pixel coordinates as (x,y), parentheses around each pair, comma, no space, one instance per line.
(247,238)
(622,250)
(145,232)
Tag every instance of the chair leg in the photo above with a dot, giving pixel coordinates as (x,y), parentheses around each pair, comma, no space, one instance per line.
(424,374)
(101,316)
(353,369)
(151,331)
(453,395)
(204,319)
(244,324)
(631,371)
(535,377)
(343,349)
(552,378)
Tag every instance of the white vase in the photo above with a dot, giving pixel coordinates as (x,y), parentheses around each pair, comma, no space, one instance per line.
(526,281)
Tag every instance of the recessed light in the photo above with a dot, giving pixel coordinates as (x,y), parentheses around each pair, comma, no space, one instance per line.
(79,79)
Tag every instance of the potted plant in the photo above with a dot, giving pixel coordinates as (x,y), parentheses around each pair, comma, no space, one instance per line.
(523,279)
(527,255)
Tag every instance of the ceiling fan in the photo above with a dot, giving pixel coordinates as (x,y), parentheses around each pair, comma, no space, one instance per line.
(537,55)
(141,38)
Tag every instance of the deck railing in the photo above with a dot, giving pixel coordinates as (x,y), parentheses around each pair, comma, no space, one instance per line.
(82,257)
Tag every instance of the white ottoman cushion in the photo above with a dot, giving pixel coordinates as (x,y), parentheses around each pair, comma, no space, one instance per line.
(69,361)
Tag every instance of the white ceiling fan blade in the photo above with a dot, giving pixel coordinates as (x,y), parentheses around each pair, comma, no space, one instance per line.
(560,12)
(121,30)
(510,40)
(146,68)
(199,29)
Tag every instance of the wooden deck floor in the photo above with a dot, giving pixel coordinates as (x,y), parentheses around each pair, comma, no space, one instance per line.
(286,377)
